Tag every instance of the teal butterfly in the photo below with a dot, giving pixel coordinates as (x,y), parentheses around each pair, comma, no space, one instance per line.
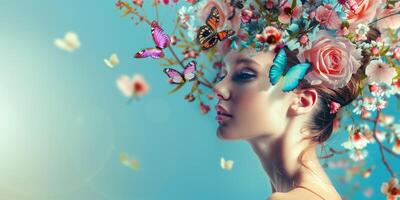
(291,77)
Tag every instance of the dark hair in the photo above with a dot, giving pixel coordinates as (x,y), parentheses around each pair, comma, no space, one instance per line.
(321,124)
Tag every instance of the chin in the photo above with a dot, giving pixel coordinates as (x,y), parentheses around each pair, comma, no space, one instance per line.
(226,135)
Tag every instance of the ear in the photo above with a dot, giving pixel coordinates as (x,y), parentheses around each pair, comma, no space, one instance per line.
(304,101)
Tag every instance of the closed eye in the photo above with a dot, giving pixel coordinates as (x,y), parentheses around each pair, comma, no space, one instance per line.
(244,75)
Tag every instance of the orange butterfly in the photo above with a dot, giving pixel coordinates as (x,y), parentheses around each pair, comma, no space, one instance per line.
(208,36)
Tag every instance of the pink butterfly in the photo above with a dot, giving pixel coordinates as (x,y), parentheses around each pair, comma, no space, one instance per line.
(161,40)
(177,77)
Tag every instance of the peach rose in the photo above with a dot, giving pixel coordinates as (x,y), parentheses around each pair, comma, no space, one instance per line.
(333,60)
(364,12)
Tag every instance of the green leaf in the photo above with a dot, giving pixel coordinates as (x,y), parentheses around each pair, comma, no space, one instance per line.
(183,46)
(194,88)
(294,3)
(169,62)
(183,36)
(176,88)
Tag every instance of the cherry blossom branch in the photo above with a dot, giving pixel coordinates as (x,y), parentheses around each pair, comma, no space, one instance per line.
(390,151)
(333,152)
(156,5)
(392,174)
(141,17)
(206,83)
(383,146)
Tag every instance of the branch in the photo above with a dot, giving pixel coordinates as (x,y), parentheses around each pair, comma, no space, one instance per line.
(183,66)
(390,151)
(381,146)
(333,152)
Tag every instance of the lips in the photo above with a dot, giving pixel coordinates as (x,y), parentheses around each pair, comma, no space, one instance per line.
(221,111)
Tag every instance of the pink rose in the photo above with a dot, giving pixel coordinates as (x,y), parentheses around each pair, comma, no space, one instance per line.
(333,60)
(363,13)
(326,16)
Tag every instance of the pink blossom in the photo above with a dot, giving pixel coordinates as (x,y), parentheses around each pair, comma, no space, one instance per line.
(246,15)
(270,35)
(286,12)
(204,108)
(378,71)
(136,86)
(396,53)
(375,51)
(333,107)
(328,17)
(396,146)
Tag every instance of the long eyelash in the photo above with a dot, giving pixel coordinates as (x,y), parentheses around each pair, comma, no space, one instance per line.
(238,77)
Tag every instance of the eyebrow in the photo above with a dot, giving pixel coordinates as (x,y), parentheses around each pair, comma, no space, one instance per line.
(245,61)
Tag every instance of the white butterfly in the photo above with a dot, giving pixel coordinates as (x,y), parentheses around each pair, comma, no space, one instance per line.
(69,43)
(227,165)
(129,162)
(112,61)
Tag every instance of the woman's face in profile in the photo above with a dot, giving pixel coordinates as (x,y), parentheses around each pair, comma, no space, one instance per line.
(254,107)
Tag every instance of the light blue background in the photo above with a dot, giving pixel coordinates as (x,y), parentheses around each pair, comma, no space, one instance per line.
(63,122)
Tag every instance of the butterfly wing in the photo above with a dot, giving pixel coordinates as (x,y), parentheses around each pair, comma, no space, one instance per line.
(161,39)
(189,72)
(72,40)
(114,59)
(60,43)
(278,67)
(294,75)
(175,76)
(108,63)
(225,34)
(213,19)
(226,164)
(207,37)
(152,52)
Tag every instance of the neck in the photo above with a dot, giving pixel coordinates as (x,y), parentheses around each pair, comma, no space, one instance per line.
(282,159)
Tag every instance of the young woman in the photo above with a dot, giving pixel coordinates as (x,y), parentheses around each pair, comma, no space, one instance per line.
(284,129)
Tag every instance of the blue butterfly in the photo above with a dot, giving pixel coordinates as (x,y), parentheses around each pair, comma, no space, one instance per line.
(292,76)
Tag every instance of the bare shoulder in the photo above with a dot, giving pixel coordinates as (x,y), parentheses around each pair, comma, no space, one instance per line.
(298,193)
(278,196)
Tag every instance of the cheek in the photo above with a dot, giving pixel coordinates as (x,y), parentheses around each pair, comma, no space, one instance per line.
(257,114)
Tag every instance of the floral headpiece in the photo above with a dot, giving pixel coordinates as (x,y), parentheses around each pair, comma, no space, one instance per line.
(331,35)
(331,39)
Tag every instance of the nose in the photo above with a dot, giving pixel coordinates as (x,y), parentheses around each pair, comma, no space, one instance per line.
(221,91)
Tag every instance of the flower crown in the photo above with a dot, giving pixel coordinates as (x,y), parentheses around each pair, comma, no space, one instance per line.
(331,35)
